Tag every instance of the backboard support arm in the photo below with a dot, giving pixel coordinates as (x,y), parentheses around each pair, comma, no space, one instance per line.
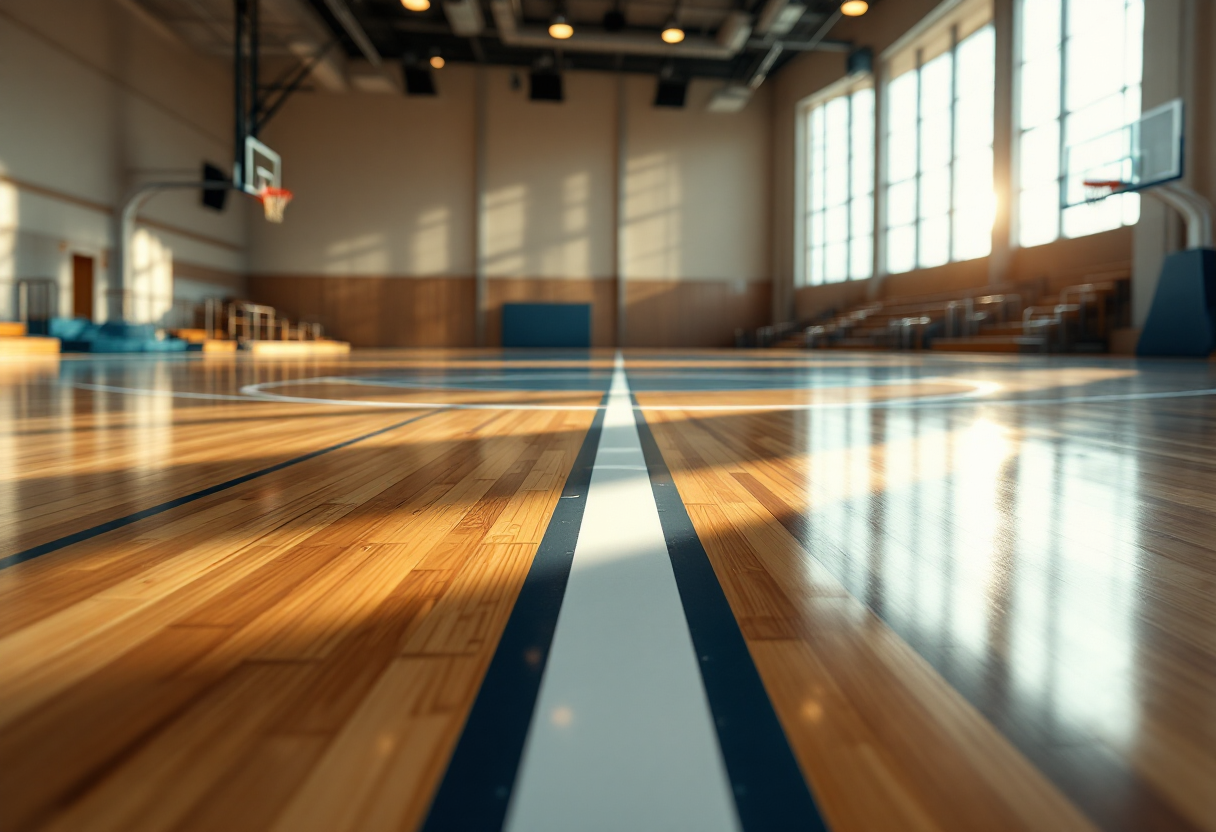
(252,110)
(123,271)
(1195,209)
(291,85)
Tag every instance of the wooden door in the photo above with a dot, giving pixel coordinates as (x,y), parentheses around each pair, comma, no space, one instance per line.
(82,286)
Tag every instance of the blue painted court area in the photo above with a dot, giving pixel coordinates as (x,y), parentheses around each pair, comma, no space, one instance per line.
(1018,381)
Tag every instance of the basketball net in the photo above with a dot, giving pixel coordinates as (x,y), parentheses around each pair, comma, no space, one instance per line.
(1096,189)
(274,202)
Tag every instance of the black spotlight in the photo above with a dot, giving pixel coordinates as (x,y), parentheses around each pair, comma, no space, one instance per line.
(860,61)
(614,20)
(545,85)
(214,198)
(419,81)
(670,93)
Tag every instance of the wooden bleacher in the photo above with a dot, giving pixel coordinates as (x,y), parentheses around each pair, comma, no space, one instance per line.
(1036,316)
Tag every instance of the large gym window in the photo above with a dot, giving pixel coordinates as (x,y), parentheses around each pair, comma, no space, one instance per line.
(839,195)
(939,99)
(1080,65)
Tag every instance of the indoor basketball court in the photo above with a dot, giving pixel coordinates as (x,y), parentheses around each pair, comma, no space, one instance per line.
(455,415)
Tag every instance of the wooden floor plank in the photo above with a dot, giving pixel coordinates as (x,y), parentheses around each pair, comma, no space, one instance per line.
(298,589)
(989,616)
(874,501)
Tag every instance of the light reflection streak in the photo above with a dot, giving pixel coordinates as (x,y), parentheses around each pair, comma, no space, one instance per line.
(985,547)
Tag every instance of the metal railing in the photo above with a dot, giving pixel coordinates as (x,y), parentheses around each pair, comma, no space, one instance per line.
(963,318)
(246,321)
(37,299)
(213,313)
(1079,300)
(902,331)
(254,317)
(182,314)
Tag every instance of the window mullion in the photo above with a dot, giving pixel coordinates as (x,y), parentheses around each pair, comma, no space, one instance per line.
(1062,176)
(816,176)
(815,275)
(848,195)
(953,141)
(917,140)
(808,185)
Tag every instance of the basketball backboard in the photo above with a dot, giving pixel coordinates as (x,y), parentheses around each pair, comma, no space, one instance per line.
(261,169)
(1139,155)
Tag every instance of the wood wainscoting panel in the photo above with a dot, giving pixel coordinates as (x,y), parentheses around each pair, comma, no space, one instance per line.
(1067,262)
(439,312)
(693,313)
(949,277)
(810,302)
(377,311)
(600,292)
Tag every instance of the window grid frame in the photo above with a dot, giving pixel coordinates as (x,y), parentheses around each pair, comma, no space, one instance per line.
(953,207)
(952,204)
(1061,118)
(814,169)
(920,169)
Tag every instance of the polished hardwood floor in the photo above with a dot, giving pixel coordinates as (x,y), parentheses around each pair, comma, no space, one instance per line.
(262,594)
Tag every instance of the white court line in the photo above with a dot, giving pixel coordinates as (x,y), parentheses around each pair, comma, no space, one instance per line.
(978,389)
(622,737)
(175,394)
(978,395)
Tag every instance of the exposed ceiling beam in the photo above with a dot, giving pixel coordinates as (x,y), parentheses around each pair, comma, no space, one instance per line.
(347,21)
(824,45)
(512,32)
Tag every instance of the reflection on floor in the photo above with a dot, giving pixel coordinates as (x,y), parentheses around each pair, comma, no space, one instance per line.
(240,593)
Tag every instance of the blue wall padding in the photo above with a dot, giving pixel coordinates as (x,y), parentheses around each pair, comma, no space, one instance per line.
(1182,319)
(546,325)
(82,335)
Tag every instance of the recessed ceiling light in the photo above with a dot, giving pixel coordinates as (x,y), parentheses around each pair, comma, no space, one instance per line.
(437,62)
(672,33)
(416,5)
(560,28)
(854,8)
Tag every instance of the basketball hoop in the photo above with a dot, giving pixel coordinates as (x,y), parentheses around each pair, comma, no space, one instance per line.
(1096,189)
(274,202)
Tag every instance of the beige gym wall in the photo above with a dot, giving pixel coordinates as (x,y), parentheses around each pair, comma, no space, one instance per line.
(695,218)
(382,241)
(384,188)
(95,98)
(550,192)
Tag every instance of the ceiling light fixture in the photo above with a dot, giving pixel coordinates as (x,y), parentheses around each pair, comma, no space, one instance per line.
(614,20)
(672,33)
(437,62)
(854,8)
(559,28)
(416,5)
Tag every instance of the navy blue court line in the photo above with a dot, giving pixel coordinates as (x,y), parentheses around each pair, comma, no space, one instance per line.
(475,791)
(143,514)
(770,791)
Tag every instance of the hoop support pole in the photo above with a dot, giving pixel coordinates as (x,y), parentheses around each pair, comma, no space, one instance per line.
(126,230)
